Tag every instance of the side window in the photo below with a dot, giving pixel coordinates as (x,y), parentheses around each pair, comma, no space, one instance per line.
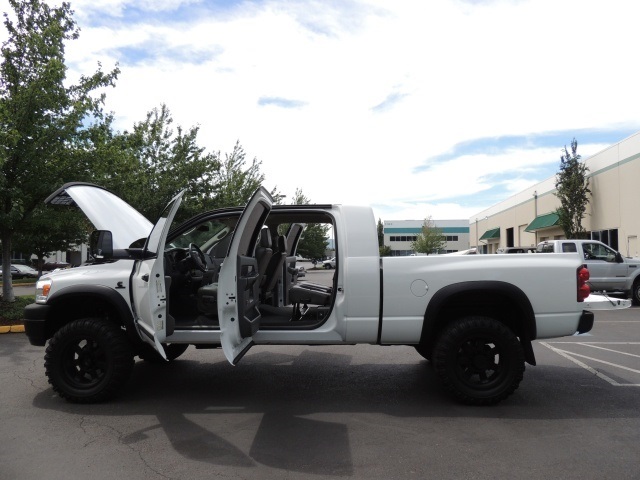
(588,250)
(595,251)
(609,254)
(569,247)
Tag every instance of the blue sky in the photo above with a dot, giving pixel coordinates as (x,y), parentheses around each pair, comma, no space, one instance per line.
(434,108)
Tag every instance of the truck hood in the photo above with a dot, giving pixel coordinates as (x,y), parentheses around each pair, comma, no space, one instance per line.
(105,210)
(632,260)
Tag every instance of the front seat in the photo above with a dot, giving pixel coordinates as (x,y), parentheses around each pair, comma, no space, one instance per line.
(264,253)
(273,273)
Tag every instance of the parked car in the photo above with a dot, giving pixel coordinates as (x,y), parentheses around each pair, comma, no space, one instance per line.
(331,263)
(22,271)
(51,266)
(610,271)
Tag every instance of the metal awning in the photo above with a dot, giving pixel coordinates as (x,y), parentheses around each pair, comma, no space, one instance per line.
(491,234)
(543,221)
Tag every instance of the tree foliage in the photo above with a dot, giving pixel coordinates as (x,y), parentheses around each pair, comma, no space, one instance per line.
(154,162)
(313,243)
(430,240)
(572,189)
(43,118)
(51,230)
(238,179)
(380,233)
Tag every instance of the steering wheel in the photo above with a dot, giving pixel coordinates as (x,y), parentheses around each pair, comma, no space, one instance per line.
(198,257)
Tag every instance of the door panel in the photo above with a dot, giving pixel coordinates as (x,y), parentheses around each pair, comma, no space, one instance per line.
(149,286)
(238,286)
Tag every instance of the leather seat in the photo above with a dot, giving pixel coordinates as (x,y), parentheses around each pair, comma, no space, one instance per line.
(264,253)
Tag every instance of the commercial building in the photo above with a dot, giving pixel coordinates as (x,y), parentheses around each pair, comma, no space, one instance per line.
(612,217)
(399,234)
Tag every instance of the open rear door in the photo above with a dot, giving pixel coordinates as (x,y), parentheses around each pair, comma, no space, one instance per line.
(149,283)
(238,283)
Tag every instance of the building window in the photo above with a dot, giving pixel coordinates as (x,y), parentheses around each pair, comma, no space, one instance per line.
(608,237)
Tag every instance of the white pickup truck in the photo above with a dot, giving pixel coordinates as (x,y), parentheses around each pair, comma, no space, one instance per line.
(227,278)
(609,270)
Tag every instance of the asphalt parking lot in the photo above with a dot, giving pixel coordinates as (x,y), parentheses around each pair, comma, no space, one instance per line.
(332,412)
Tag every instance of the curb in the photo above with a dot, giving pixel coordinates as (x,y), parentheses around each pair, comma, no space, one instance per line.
(12,329)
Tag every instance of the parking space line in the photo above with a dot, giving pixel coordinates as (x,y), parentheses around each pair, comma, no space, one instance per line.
(568,356)
(602,361)
(618,321)
(584,344)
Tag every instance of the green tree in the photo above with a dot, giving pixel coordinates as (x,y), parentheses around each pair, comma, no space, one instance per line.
(154,162)
(380,233)
(237,179)
(430,240)
(313,243)
(385,251)
(51,230)
(44,118)
(572,189)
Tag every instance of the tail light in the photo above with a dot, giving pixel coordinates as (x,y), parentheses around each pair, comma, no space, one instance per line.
(582,275)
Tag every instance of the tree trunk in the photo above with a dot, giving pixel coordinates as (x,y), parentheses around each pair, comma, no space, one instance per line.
(7,285)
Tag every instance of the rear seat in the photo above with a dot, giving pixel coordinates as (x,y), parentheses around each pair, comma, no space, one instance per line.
(305,293)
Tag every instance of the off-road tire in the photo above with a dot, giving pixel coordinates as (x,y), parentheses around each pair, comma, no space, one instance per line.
(635,292)
(479,360)
(171,350)
(426,353)
(88,360)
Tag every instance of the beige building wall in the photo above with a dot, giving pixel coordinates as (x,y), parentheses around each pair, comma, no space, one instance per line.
(614,177)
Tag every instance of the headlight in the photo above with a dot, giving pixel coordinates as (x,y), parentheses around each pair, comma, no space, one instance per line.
(43,287)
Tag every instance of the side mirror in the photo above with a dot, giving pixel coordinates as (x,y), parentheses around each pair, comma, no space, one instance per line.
(101,245)
(619,258)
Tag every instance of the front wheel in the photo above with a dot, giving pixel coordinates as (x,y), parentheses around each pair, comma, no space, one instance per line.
(479,360)
(88,360)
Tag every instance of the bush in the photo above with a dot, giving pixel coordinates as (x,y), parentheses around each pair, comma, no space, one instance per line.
(12,312)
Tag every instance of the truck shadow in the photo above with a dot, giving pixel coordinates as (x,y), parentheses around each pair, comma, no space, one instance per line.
(297,412)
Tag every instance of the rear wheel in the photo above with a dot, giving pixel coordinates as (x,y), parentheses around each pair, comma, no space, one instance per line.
(88,360)
(635,293)
(479,360)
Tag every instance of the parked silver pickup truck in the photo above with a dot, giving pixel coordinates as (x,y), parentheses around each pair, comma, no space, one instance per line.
(609,270)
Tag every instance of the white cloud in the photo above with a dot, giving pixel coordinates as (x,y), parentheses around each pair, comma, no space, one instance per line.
(449,71)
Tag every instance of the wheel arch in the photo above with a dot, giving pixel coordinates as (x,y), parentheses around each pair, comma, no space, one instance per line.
(79,301)
(499,300)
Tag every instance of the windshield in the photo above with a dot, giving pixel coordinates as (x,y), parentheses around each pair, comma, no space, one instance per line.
(205,235)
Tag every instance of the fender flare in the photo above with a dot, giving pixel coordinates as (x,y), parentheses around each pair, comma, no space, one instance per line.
(108,294)
(527,320)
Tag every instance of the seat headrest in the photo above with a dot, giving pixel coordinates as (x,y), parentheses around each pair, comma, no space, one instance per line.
(282,243)
(265,238)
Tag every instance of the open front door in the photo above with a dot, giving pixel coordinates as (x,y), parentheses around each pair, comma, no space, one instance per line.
(149,284)
(239,281)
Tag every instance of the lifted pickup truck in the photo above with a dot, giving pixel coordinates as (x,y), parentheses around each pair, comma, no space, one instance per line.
(609,270)
(227,278)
